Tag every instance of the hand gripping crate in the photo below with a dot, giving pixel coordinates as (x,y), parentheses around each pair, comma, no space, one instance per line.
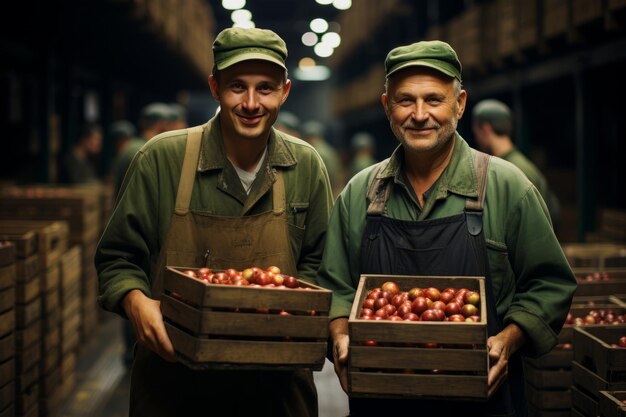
(217,326)
(391,359)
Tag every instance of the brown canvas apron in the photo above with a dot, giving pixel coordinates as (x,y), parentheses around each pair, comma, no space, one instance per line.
(160,388)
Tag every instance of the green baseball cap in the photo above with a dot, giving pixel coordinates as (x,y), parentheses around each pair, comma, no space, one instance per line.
(433,54)
(234,45)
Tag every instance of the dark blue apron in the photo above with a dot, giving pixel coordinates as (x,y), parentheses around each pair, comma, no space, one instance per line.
(450,246)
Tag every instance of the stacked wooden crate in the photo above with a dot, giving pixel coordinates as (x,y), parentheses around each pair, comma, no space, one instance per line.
(7,328)
(51,243)
(599,366)
(71,273)
(80,207)
(27,321)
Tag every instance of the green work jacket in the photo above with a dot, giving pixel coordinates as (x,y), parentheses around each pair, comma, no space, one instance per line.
(127,253)
(532,281)
(517,158)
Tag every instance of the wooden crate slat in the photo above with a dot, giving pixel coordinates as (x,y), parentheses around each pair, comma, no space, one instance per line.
(223,353)
(7,252)
(27,359)
(7,394)
(556,358)
(592,383)
(7,322)
(26,401)
(7,371)
(52,237)
(549,399)
(593,351)
(583,402)
(25,314)
(547,378)
(27,377)
(28,336)
(7,346)
(51,278)
(25,242)
(27,268)
(7,299)
(8,276)
(612,403)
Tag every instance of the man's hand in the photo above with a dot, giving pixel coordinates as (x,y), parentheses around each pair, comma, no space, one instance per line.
(341,341)
(501,347)
(145,315)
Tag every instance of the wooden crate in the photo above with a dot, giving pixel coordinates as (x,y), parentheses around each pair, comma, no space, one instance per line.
(400,366)
(9,411)
(7,298)
(7,252)
(556,358)
(584,403)
(592,255)
(593,383)
(7,371)
(52,237)
(613,403)
(567,332)
(7,395)
(51,278)
(556,19)
(26,402)
(27,377)
(27,268)
(549,399)
(28,336)
(25,314)
(548,378)
(8,276)
(534,412)
(7,346)
(71,266)
(26,243)
(78,208)
(615,282)
(207,333)
(593,350)
(7,322)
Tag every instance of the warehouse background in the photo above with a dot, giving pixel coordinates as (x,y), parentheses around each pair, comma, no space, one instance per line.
(559,64)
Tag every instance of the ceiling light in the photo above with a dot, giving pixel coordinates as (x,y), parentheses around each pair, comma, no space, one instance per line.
(315,73)
(323,50)
(319,25)
(309,39)
(233,4)
(342,4)
(331,38)
(324,2)
(306,62)
(241,15)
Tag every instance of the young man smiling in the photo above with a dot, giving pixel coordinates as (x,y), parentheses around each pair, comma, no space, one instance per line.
(232,193)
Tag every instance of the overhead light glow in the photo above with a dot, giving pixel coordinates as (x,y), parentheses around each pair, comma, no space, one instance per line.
(233,4)
(315,73)
(323,50)
(324,2)
(331,38)
(241,15)
(306,62)
(342,4)
(247,24)
(309,39)
(319,25)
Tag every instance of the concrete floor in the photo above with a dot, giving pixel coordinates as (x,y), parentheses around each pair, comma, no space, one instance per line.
(102,383)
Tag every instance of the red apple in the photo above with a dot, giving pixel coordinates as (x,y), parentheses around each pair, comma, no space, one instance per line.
(432,293)
(247,274)
(273,269)
(231,272)
(398,299)
(386,294)
(404,308)
(263,279)
(291,282)
(589,319)
(415,292)
(394,318)
(368,303)
(419,305)
(622,342)
(391,309)
(456,317)
(382,313)
(472,297)
(411,317)
(439,305)
(374,294)
(430,315)
(446,296)
(391,287)
(190,273)
(278,279)
(204,271)
(367,312)
(469,310)
(452,308)
(380,303)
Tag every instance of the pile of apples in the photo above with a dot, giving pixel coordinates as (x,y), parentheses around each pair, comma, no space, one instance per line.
(600,316)
(387,302)
(596,276)
(270,277)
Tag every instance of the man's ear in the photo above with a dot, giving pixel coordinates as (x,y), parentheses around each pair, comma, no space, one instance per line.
(286,91)
(462,100)
(384,100)
(214,87)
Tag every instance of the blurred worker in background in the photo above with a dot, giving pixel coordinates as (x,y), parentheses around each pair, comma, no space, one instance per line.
(178,116)
(364,149)
(437,207)
(492,124)
(155,118)
(289,123)
(122,132)
(237,186)
(314,133)
(79,165)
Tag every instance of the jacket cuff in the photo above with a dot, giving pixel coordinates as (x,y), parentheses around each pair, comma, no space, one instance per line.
(110,299)
(339,308)
(540,338)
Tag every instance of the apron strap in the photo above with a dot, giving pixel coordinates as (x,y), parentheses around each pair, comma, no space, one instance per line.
(278,193)
(481,165)
(378,193)
(188,171)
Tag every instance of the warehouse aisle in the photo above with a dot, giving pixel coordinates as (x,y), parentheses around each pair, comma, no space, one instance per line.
(102,381)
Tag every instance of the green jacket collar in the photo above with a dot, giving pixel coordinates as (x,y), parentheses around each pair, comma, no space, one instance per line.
(213,155)
(459,177)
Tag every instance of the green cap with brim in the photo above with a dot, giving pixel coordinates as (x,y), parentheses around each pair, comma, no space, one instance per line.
(235,45)
(437,55)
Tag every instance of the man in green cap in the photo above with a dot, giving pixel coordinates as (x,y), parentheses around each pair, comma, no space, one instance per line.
(436,207)
(492,124)
(232,193)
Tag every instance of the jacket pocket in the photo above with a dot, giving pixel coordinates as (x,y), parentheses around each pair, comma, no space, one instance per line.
(297,214)
(502,276)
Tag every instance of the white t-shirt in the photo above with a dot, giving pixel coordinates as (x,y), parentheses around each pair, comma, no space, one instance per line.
(247,178)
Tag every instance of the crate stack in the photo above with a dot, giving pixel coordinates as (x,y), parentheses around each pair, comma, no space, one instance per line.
(71,273)
(80,207)
(7,328)
(599,371)
(27,320)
